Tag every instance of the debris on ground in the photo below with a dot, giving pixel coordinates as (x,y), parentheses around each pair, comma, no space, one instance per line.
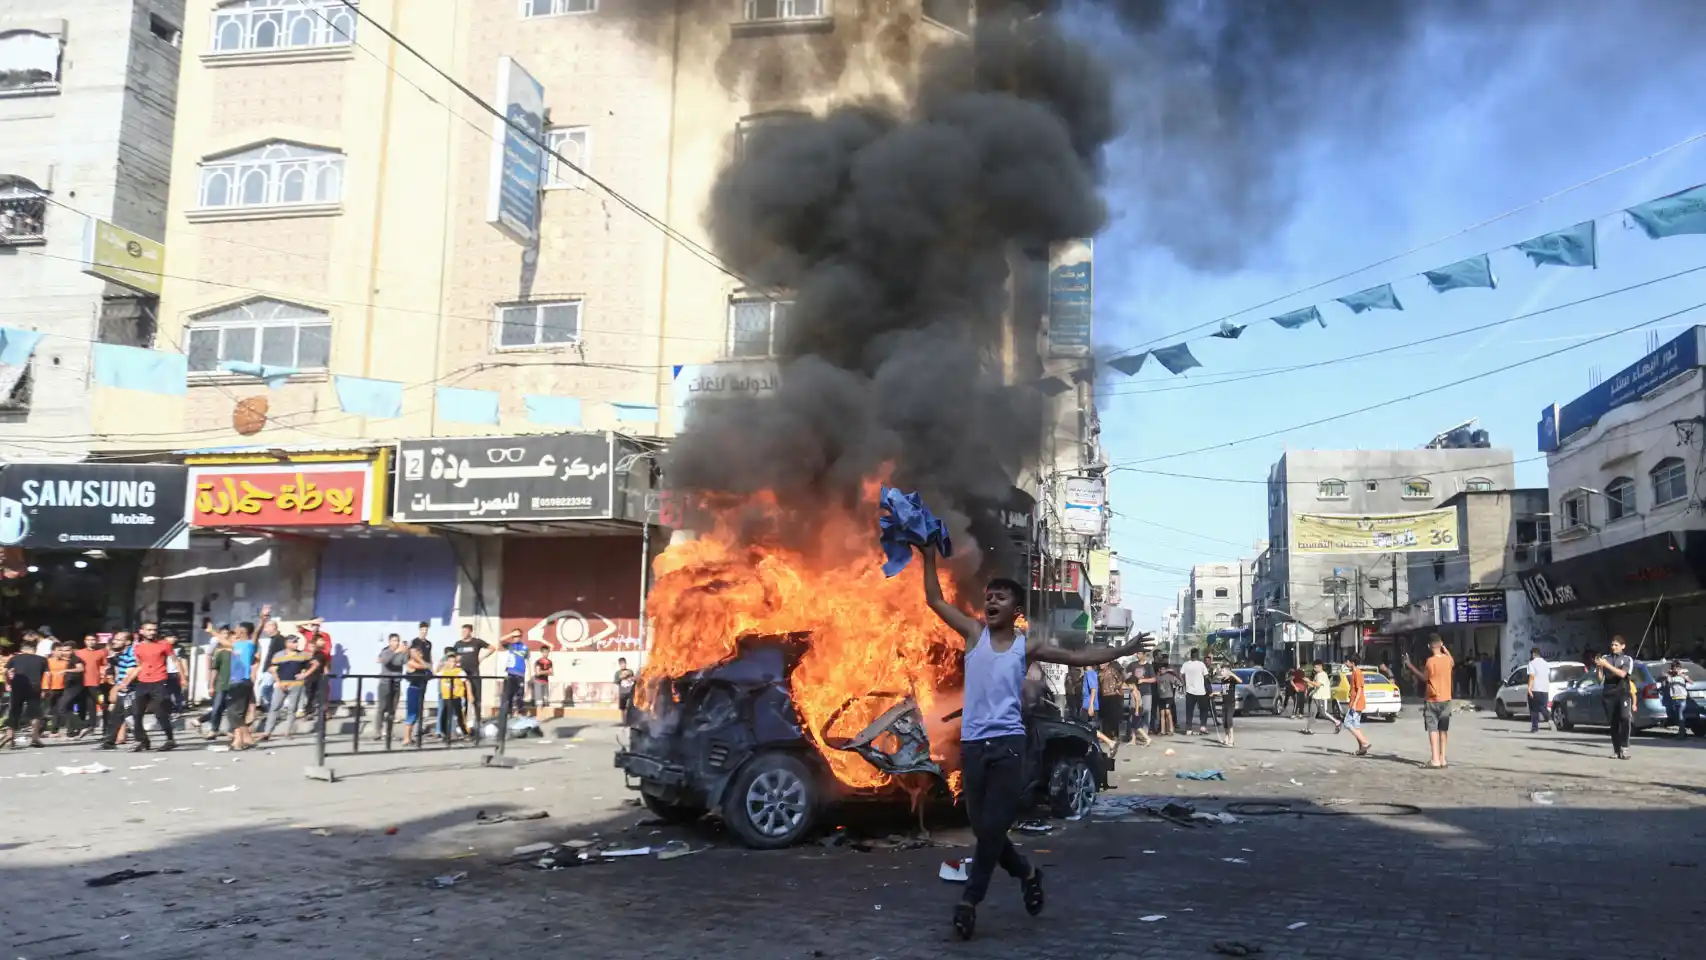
(230,789)
(446,880)
(528,850)
(676,849)
(85,768)
(1033,826)
(1233,948)
(1200,775)
(241,919)
(629,852)
(525,727)
(1153,917)
(1118,807)
(954,871)
(1169,752)
(1543,797)
(1233,860)
(488,818)
(1221,818)
(1295,782)
(1299,925)
(120,876)
(320,832)
(578,844)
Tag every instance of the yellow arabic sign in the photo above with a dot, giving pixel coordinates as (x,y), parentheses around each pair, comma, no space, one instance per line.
(114,253)
(1433,531)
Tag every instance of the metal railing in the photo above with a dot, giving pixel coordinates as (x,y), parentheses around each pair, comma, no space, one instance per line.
(392,692)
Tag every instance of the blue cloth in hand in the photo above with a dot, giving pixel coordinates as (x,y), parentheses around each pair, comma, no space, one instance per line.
(906,523)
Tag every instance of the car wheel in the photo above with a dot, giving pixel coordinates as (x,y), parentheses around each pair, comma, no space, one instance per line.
(672,812)
(1561,718)
(772,803)
(1277,707)
(1071,787)
(1500,711)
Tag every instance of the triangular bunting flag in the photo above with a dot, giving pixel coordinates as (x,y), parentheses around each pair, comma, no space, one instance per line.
(1683,212)
(1177,358)
(1572,247)
(1474,271)
(1228,331)
(1129,364)
(1374,298)
(1298,318)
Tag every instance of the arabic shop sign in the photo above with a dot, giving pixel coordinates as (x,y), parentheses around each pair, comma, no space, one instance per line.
(294,495)
(1482,607)
(1632,383)
(565,476)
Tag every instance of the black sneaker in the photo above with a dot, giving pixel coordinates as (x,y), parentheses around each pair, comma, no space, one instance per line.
(168,745)
(965,920)
(107,746)
(1033,890)
(139,748)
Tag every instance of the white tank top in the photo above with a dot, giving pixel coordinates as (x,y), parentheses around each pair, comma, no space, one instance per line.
(995,685)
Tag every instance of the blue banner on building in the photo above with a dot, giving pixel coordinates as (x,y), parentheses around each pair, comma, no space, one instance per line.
(1632,383)
(1071,299)
(518,159)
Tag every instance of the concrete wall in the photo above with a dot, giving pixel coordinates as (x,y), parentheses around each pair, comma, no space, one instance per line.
(1374,483)
(1486,545)
(1628,442)
(97,144)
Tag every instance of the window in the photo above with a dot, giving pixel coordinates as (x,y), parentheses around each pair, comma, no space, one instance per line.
(1534,541)
(1670,481)
(786,9)
(29,62)
(752,131)
(242,26)
(950,13)
(757,328)
(272,332)
(1220,593)
(1478,484)
(1333,586)
(1371,485)
(554,8)
(1330,490)
(273,174)
(1222,620)
(1199,594)
(23,213)
(1374,583)
(546,324)
(15,384)
(1574,510)
(164,30)
(1619,499)
(572,143)
(1417,488)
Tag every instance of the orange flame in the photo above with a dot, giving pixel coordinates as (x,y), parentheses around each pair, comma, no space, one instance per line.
(870,634)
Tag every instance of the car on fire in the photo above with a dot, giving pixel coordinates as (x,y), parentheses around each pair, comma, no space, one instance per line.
(729,740)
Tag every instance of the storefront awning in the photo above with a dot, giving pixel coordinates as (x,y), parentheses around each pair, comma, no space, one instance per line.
(1638,571)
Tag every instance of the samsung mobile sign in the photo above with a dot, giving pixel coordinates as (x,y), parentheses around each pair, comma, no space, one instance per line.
(93,505)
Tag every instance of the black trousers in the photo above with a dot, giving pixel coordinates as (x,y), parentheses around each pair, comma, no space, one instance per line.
(155,698)
(1620,713)
(1112,710)
(64,710)
(994,779)
(473,697)
(514,694)
(1197,703)
(25,708)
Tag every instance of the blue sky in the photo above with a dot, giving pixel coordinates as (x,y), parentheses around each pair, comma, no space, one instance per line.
(1441,165)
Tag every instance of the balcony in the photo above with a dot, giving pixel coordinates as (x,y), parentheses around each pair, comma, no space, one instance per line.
(23,218)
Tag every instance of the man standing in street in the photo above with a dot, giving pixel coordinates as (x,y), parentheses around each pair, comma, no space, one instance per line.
(1675,683)
(419,667)
(392,659)
(1144,676)
(1320,691)
(148,678)
(1195,674)
(470,651)
(290,670)
(1092,695)
(515,673)
(240,691)
(1618,699)
(451,693)
(1539,690)
(992,729)
(1112,704)
(1356,703)
(121,659)
(1436,711)
(25,674)
(542,668)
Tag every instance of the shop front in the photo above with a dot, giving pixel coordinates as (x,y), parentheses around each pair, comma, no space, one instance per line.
(75,536)
(572,547)
(1651,591)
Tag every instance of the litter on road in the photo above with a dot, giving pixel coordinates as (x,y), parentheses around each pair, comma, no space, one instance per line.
(1299,925)
(1200,775)
(484,817)
(1543,797)
(1153,917)
(445,880)
(529,849)
(85,768)
(230,789)
(676,849)
(954,871)
(630,852)
(120,876)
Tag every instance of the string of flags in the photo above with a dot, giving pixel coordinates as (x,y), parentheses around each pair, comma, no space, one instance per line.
(1672,215)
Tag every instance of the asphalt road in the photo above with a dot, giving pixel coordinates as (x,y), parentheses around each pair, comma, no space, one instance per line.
(1527,846)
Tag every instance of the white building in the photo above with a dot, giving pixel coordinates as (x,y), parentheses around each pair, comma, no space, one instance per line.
(1624,468)
(87,93)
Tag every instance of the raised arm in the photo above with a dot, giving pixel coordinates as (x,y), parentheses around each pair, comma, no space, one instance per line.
(1091,656)
(953,616)
(1419,675)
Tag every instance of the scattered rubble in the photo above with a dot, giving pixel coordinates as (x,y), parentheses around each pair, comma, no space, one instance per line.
(86,768)
(447,880)
(1200,775)
(489,818)
(120,876)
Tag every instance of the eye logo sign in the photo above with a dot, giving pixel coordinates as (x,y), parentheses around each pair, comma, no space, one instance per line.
(570,630)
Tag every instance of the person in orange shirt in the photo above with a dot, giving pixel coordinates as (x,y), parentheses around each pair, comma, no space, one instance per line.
(1356,704)
(59,663)
(1435,678)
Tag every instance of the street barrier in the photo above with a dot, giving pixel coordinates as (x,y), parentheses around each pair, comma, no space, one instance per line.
(391,691)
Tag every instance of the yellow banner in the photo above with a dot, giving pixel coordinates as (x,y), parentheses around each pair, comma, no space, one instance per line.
(114,253)
(1433,531)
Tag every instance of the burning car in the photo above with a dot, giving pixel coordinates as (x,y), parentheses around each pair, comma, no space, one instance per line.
(730,739)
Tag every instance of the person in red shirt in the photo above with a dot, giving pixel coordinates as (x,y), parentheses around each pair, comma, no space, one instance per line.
(148,678)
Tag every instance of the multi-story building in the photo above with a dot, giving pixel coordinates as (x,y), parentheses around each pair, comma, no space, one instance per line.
(1218,597)
(1329,592)
(87,93)
(1624,463)
(353,271)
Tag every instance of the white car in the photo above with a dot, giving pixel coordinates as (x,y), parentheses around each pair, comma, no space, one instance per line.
(1512,698)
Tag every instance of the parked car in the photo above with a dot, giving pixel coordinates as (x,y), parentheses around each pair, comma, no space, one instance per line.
(1258,690)
(729,740)
(1384,700)
(1512,698)
(1580,703)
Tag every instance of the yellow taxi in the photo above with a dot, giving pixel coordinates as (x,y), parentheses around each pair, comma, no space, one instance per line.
(1384,700)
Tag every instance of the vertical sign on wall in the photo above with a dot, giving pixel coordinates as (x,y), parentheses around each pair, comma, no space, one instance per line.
(1071,298)
(518,160)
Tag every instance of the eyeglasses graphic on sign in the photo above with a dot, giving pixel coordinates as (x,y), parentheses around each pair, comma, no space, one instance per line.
(507,455)
(14,524)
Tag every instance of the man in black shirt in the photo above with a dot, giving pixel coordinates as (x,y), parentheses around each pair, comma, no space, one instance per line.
(1617,698)
(470,650)
(24,673)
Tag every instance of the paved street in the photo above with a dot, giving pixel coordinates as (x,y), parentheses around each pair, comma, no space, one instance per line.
(285,866)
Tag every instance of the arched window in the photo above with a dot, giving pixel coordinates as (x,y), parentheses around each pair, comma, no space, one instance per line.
(23,212)
(1670,481)
(1478,484)
(1220,593)
(245,25)
(1330,490)
(1418,488)
(272,174)
(1619,499)
(271,332)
